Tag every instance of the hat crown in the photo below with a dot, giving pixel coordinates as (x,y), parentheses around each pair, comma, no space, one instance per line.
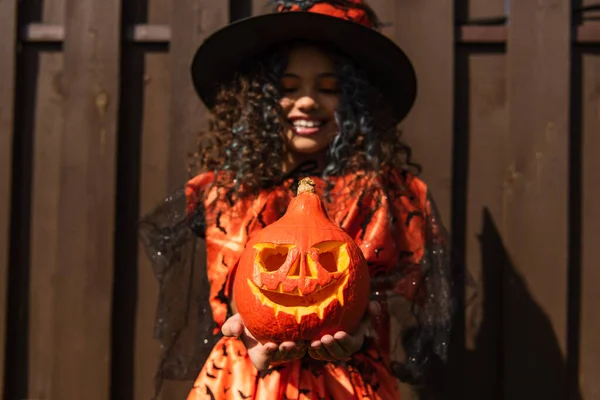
(352,10)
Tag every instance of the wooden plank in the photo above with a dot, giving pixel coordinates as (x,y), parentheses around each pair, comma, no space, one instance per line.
(8,19)
(589,349)
(589,32)
(386,11)
(590,9)
(261,7)
(536,200)
(45,209)
(43,32)
(191,22)
(153,187)
(486,112)
(44,220)
(425,30)
(479,9)
(156,102)
(149,33)
(483,34)
(82,334)
(141,33)
(144,33)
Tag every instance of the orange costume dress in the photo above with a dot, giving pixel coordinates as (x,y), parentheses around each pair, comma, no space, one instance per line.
(398,232)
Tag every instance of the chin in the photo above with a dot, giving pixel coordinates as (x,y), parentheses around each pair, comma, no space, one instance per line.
(308,148)
(309,144)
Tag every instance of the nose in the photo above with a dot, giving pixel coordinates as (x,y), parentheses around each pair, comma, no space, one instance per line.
(306,103)
(305,268)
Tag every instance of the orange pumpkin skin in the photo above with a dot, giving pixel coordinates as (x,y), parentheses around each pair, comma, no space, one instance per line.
(301,277)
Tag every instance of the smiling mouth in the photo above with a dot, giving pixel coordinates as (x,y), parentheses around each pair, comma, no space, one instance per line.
(298,305)
(306,127)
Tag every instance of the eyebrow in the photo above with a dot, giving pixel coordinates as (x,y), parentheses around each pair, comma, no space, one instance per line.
(323,75)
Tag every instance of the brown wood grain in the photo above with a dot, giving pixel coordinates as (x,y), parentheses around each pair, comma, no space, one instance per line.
(425,30)
(486,113)
(588,32)
(589,348)
(191,22)
(386,12)
(478,9)
(8,19)
(592,12)
(84,277)
(44,210)
(536,200)
(483,34)
(153,188)
(261,7)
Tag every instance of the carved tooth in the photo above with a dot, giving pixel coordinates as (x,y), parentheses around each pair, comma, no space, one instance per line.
(340,295)
(320,311)
(297,314)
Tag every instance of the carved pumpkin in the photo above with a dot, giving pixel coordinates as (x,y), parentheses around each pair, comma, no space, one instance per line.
(302,276)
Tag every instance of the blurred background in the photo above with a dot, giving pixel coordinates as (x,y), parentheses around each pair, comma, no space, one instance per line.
(97,115)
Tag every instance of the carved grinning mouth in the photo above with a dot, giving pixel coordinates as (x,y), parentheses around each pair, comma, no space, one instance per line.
(287,286)
(298,305)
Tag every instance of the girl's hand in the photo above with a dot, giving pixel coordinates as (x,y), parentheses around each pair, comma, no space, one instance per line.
(342,345)
(262,355)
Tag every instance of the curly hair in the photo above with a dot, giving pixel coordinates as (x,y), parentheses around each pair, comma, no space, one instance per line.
(244,143)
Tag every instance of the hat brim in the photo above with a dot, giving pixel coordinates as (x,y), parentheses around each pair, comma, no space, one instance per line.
(222,53)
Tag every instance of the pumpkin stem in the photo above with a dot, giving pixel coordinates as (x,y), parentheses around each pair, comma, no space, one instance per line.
(306,185)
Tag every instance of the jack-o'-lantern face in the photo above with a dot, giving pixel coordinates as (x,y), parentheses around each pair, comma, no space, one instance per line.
(290,278)
(302,276)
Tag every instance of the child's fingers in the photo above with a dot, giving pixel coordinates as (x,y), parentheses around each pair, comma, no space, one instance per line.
(335,347)
(351,343)
(233,326)
(314,354)
(319,352)
(262,355)
(283,351)
(296,352)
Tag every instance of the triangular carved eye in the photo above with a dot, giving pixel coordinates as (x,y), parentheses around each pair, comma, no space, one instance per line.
(333,256)
(271,256)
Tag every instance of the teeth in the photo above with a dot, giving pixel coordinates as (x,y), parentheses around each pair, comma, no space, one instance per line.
(303,123)
(298,314)
(340,297)
(320,311)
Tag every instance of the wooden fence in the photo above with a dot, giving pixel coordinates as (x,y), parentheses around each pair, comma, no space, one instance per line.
(97,113)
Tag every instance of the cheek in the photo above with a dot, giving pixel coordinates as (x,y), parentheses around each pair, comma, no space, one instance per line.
(286,104)
(331,104)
